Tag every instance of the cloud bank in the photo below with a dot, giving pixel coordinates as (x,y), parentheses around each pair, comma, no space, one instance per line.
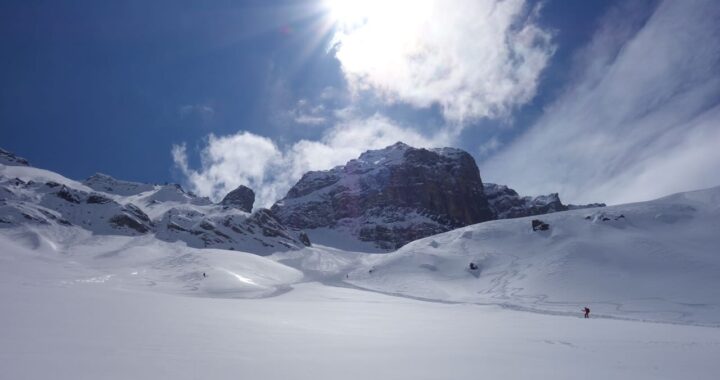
(641,120)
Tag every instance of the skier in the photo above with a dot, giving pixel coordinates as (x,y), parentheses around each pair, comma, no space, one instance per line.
(204,275)
(586,310)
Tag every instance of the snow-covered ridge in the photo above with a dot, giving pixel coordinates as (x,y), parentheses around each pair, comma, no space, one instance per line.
(107,206)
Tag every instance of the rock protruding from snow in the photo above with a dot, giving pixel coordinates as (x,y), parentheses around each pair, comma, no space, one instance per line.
(507,203)
(390,196)
(9,158)
(241,198)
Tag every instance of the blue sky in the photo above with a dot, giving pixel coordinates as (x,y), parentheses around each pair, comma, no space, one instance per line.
(221,93)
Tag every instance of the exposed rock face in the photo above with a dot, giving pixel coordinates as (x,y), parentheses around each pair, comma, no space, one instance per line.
(506,203)
(241,198)
(390,196)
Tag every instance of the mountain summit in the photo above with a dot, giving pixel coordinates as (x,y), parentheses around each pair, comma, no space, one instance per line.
(390,196)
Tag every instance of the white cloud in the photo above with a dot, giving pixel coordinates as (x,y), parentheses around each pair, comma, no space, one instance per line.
(230,161)
(475,58)
(641,121)
(257,162)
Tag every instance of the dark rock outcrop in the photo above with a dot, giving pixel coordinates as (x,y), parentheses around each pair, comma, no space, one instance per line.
(241,198)
(507,203)
(539,225)
(305,239)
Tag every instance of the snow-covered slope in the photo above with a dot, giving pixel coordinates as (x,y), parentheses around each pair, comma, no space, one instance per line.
(83,306)
(106,206)
(657,260)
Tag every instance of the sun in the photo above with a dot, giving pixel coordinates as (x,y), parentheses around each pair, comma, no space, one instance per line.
(349,14)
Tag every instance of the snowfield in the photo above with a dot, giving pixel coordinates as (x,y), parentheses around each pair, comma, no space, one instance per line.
(82,306)
(656,261)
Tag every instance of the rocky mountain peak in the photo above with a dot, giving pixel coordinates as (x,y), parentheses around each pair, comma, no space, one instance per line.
(390,196)
(241,198)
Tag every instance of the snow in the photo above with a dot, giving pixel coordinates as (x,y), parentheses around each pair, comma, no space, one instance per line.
(27,174)
(77,305)
(656,261)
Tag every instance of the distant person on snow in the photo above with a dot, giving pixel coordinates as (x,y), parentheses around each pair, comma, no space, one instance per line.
(586,310)
(204,275)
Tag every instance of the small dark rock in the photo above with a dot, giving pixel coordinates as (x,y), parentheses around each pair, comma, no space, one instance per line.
(123,220)
(67,195)
(305,239)
(98,199)
(539,225)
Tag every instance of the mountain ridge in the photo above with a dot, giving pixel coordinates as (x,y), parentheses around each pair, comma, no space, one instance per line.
(386,198)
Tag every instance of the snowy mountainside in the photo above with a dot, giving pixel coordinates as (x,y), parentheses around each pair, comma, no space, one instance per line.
(104,205)
(656,260)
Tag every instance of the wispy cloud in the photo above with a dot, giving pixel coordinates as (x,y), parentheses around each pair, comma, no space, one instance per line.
(202,112)
(490,146)
(305,113)
(641,120)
